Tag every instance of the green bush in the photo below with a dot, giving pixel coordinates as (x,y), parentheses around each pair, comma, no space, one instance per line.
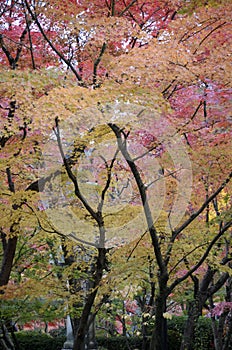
(38,341)
(204,335)
(119,342)
(59,332)
(174,339)
(177,323)
(203,339)
(33,340)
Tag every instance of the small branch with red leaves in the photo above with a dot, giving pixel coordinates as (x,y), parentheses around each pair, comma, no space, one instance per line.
(59,54)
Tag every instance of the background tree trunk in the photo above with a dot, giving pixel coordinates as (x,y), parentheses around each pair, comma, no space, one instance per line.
(159,338)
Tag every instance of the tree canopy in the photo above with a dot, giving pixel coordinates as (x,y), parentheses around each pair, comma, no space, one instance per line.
(115,136)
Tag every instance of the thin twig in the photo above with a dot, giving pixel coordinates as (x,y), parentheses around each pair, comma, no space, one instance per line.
(136,245)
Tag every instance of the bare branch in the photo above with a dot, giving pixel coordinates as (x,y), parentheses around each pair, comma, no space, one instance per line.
(185,256)
(97,62)
(127,8)
(122,145)
(59,54)
(201,209)
(213,30)
(72,176)
(109,174)
(186,36)
(203,258)
(136,245)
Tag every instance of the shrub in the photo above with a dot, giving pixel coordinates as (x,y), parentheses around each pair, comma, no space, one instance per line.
(38,341)
(203,338)
(174,339)
(177,323)
(59,332)
(119,342)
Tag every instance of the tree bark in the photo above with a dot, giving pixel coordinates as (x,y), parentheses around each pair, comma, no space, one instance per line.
(222,329)
(159,338)
(79,341)
(9,245)
(7,262)
(190,325)
(202,293)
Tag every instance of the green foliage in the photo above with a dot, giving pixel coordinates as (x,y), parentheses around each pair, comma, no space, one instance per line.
(202,341)
(22,311)
(39,341)
(203,337)
(119,342)
(58,333)
(191,6)
(177,323)
(174,339)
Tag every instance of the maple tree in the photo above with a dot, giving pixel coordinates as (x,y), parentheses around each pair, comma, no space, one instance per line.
(140,67)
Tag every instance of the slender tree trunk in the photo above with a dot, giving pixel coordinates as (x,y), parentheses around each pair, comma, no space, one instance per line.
(159,338)
(79,341)
(202,292)
(190,325)
(92,344)
(8,245)
(216,335)
(222,329)
(6,341)
(159,335)
(228,336)
(7,262)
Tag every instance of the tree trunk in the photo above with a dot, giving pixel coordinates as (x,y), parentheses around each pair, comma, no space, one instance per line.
(6,341)
(8,257)
(159,335)
(79,341)
(9,245)
(222,329)
(190,325)
(92,344)
(159,338)
(216,335)
(202,292)
(144,335)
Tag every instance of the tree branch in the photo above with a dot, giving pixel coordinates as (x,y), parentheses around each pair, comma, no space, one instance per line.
(28,22)
(59,54)
(185,256)
(122,145)
(127,8)
(203,258)
(109,175)
(200,210)
(21,40)
(7,53)
(213,30)
(97,62)
(71,175)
